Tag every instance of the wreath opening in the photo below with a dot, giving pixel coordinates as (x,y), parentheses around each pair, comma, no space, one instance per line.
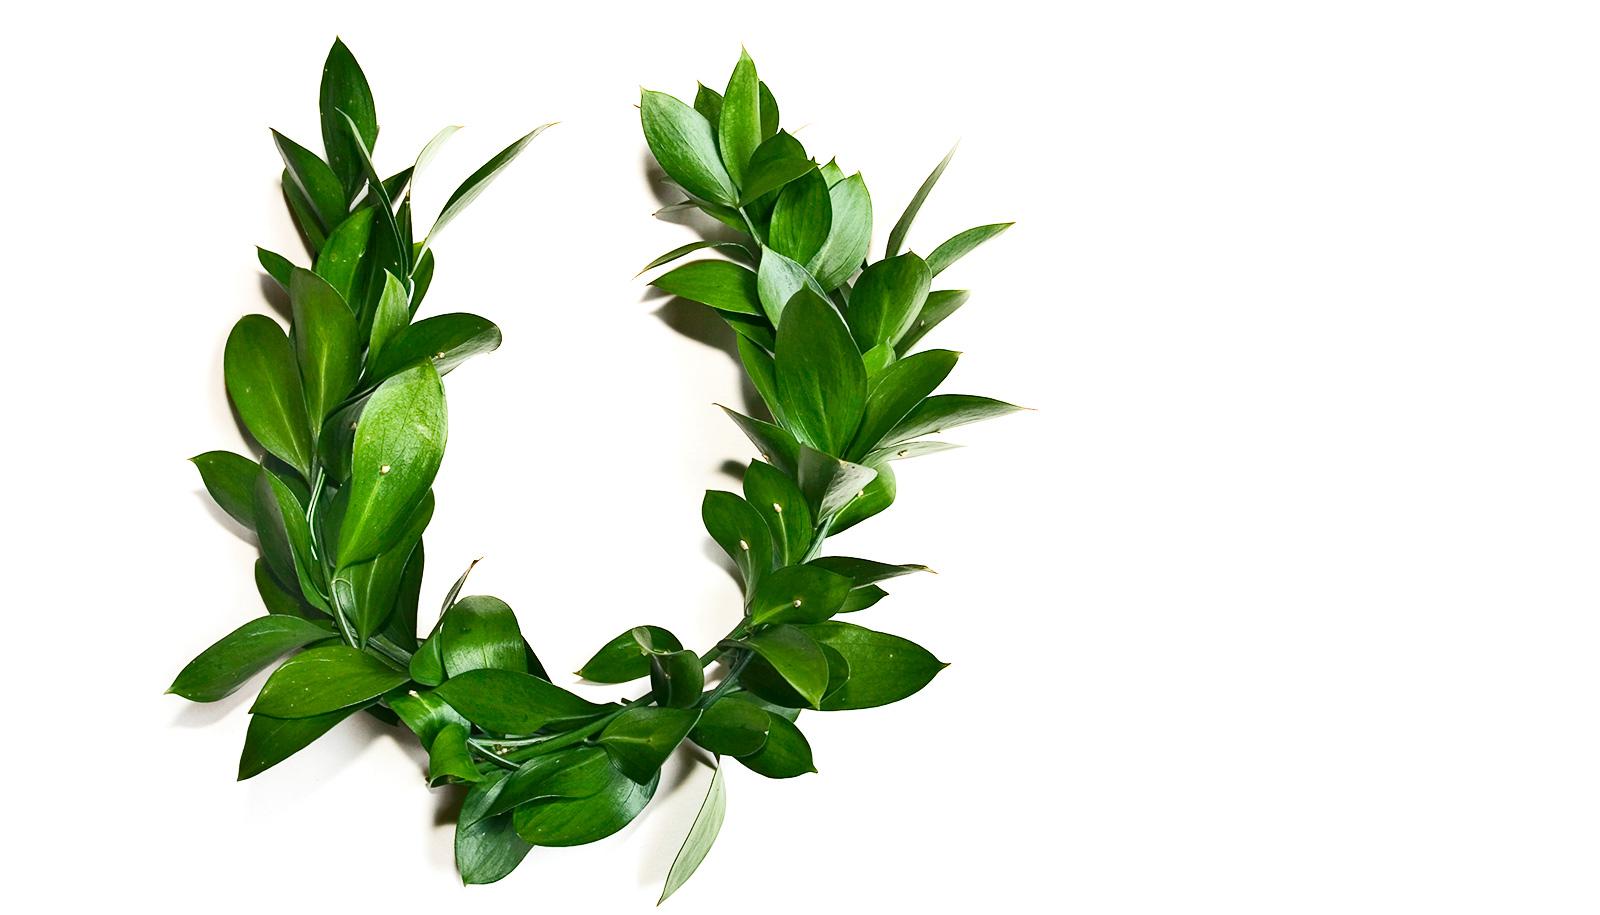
(348,409)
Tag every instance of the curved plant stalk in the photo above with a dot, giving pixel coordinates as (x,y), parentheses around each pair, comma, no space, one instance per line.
(827,340)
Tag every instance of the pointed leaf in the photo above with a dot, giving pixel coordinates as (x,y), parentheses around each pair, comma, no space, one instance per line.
(508,702)
(445,340)
(723,285)
(883,668)
(259,366)
(959,246)
(243,653)
(399,444)
(623,658)
(316,183)
(776,446)
(801,218)
(777,281)
(739,121)
(392,317)
(479,180)
(344,88)
(487,848)
(640,739)
(480,632)
(683,142)
(821,379)
(795,657)
(946,411)
(702,833)
(326,342)
(231,481)
(739,529)
(849,233)
(830,483)
(269,741)
(340,258)
(779,501)
(897,235)
(799,594)
(941,304)
(903,385)
(323,680)
(886,300)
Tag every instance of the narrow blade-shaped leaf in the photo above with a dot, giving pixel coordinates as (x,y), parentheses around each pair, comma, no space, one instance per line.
(339,261)
(962,244)
(739,121)
(702,834)
(897,235)
(479,180)
(344,88)
(242,653)
(444,340)
(946,411)
(903,385)
(315,181)
(941,304)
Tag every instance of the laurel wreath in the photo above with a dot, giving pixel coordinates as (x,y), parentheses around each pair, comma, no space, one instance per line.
(348,408)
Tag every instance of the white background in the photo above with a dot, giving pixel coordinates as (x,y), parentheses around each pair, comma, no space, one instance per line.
(1283,601)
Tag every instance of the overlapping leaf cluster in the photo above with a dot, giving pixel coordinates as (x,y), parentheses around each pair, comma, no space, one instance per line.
(349,408)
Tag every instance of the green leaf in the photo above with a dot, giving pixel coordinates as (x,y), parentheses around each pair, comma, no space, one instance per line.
(421,279)
(259,366)
(799,594)
(399,242)
(449,758)
(702,833)
(723,285)
(374,587)
(340,257)
(344,88)
(739,529)
(639,740)
(786,754)
(683,143)
(849,233)
(821,379)
(776,446)
(795,657)
(431,149)
(897,235)
(739,122)
(576,772)
(445,340)
(513,703)
(399,444)
(426,715)
(305,215)
(427,663)
(878,496)
(480,632)
(830,483)
(733,249)
(578,821)
(946,411)
(769,111)
(778,280)
(391,318)
(281,518)
(676,678)
(863,598)
(326,342)
(277,266)
(883,668)
(401,627)
(269,741)
(801,218)
(758,365)
(731,727)
(902,386)
(779,160)
(323,680)
(243,653)
(315,181)
(783,506)
(231,481)
(864,572)
(278,597)
(959,246)
(478,180)
(624,658)
(941,304)
(487,848)
(708,102)
(886,299)
(906,450)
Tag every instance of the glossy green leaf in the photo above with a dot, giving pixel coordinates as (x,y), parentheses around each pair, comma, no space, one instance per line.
(277,266)
(481,632)
(830,483)
(344,88)
(862,598)
(399,443)
(281,513)
(799,594)
(883,668)
(702,834)
(444,340)
(375,586)
(897,235)
(269,741)
(449,758)
(242,653)
(399,242)
(426,715)
(779,501)
(739,529)
(961,244)
(758,365)
(676,678)
(779,160)
(684,144)
(731,727)
(339,261)
(421,279)
(906,450)
(877,496)
(801,218)
(390,319)
(231,481)
(755,328)
(479,180)
(849,233)
(865,571)
(327,344)
(575,772)
(739,121)
(902,386)
(487,848)
(623,658)
(578,821)
(708,102)
(431,149)
(941,304)
(886,300)
(821,379)
(640,739)
(401,627)
(315,181)
(946,411)
(778,279)
(723,285)
(769,111)
(786,753)
(278,597)
(776,446)
(732,249)
(259,365)
(795,657)
(305,215)
(427,663)
(323,680)
(508,702)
